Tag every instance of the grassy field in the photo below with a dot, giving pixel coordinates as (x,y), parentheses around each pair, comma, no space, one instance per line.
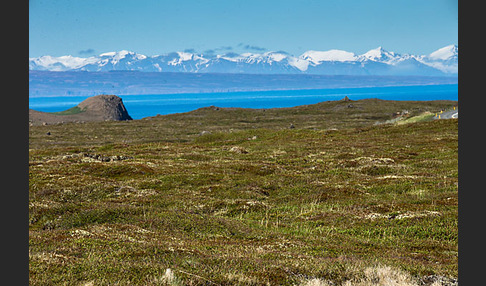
(315,195)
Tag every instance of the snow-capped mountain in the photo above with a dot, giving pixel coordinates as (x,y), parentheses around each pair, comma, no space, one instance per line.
(445,53)
(444,59)
(59,63)
(381,55)
(379,61)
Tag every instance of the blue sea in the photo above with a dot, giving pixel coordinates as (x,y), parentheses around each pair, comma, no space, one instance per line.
(145,105)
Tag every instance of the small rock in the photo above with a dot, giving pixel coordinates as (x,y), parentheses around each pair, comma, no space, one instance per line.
(204,133)
(441,280)
(238,149)
(48,133)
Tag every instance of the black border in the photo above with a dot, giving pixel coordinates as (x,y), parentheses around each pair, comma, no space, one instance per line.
(15,142)
(471,145)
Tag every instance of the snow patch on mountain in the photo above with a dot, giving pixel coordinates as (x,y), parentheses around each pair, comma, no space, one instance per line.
(276,57)
(317,57)
(298,63)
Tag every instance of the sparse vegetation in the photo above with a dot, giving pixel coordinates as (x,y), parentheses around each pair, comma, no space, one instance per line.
(337,200)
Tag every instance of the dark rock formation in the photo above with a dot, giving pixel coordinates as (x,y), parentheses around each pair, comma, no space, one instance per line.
(110,107)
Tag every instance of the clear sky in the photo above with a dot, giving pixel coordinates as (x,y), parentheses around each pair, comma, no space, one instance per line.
(153,27)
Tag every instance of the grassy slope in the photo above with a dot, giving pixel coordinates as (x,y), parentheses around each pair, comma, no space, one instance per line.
(70,111)
(257,204)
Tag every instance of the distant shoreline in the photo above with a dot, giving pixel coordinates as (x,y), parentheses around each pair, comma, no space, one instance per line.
(48,84)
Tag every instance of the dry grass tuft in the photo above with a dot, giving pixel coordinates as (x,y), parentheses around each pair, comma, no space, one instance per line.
(169,279)
(383,276)
(317,282)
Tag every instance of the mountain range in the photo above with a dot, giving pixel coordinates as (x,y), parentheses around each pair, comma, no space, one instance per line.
(442,62)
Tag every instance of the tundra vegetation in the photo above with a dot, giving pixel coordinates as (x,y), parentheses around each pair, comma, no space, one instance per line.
(336,193)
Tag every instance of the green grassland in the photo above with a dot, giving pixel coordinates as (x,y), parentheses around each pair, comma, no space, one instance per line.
(223,196)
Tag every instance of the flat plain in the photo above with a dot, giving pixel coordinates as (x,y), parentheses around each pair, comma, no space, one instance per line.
(324,194)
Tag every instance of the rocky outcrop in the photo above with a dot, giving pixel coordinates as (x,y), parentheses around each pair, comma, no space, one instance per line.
(97,108)
(110,107)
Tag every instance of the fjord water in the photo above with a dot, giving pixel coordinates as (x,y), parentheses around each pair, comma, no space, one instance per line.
(145,105)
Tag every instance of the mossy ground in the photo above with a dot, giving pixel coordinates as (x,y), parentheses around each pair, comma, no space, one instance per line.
(252,202)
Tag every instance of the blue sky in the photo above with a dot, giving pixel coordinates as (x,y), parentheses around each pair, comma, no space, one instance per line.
(91,27)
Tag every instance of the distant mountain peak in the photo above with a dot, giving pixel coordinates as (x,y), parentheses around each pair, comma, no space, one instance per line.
(378,51)
(380,54)
(444,53)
